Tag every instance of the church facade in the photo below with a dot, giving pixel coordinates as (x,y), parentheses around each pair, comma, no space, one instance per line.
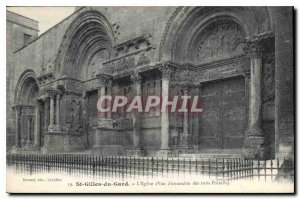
(237,60)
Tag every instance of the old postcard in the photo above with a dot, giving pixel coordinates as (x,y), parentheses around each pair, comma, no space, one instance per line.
(150,100)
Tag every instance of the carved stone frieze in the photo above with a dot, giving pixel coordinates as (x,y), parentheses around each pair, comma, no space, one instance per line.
(123,124)
(105,123)
(229,69)
(54,129)
(143,60)
(126,63)
(73,140)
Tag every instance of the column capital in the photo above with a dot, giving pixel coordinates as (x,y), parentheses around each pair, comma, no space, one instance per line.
(38,102)
(253,49)
(49,94)
(166,70)
(246,73)
(103,78)
(17,107)
(84,94)
(186,87)
(254,46)
(136,78)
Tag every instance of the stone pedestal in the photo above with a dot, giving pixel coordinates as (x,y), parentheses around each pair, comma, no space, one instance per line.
(111,150)
(53,143)
(107,140)
(165,153)
(15,150)
(136,152)
(59,142)
(255,147)
(103,145)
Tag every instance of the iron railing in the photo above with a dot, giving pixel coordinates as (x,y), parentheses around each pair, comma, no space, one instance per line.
(127,167)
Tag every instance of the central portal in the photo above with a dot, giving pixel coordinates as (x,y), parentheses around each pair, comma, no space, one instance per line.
(223,120)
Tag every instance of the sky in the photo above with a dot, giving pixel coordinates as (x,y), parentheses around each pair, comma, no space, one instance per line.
(46,16)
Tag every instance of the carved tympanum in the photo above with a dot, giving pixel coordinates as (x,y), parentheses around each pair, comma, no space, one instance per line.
(96,62)
(220,42)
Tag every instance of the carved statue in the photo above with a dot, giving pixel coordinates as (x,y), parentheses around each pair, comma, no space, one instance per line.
(73,119)
(269,91)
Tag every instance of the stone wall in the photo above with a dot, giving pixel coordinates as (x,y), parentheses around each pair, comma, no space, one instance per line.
(16,27)
(284,81)
(143,37)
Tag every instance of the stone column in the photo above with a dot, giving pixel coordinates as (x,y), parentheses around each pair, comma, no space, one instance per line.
(51,110)
(18,111)
(57,109)
(29,128)
(247,95)
(137,86)
(109,87)
(46,115)
(166,72)
(185,134)
(102,81)
(101,92)
(197,125)
(37,135)
(255,140)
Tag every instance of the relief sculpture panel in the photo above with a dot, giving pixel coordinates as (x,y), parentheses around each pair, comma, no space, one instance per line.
(269,81)
(73,119)
(220,42)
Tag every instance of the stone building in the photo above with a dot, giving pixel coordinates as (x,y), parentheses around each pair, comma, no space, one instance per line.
(238,60)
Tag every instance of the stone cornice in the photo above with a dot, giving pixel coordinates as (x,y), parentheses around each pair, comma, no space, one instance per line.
(239,59)
(136,42)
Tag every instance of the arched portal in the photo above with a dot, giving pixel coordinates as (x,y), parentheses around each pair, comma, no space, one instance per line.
(211,41)
(87,43)
(27,91)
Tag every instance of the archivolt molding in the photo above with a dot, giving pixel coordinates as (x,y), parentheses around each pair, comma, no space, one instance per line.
(166,31)
(186,21)
(88,34)
(27,80)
